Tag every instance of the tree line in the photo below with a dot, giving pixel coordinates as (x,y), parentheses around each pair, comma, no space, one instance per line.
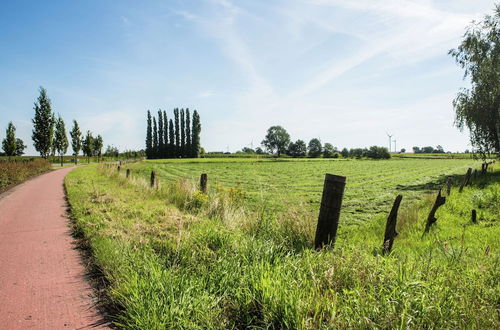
(49,135)
(278,140)
(177,137)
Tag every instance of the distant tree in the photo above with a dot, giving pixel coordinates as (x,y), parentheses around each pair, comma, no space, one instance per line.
(416,150)
(357,153)
(403,150)
(315,149)
(377,153)
(98,144)
(189,149)
(76,140)
(88,146)
(427,150)
(111,152)
(439,150)
(329,151)
(247,150)
(183,134)
(166,145)
(149,137)
(171,139)
(467,151)
(60,138)
(478,108)
(155,139)
(195,132)
(297,149)
(178,150)
(20,147)
(259,151)
(161,145)
(43,124)
(277,139)
(9,144)
(345,153)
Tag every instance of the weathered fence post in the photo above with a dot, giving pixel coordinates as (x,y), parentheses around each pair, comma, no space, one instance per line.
(474,174)
(474,216)
(203,182)
(128,173)
(329,213)
(449,183)
(152,180)
(390,226)
(431,219)
(118,168)
(466,179)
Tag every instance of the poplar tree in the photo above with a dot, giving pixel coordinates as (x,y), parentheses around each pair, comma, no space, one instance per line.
(76,140)
(43,124)
(195,140)
(189,151)
(60,138)
(97,149)
(165,134)
(177,132)
(161,146)
(149,138)
(9,144)
(155,138)
(88,146)
(171,139)
(183,134)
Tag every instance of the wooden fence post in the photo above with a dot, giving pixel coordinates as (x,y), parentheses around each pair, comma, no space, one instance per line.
(431,219)
(152,180)
(329,213)
(390,226)
(128,173)
(203,182)
(118,168)
(449,183)
(474,216)
(466,179)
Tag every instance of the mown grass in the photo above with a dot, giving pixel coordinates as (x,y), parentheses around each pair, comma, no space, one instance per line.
(18,170)
(176,258)
(279,184)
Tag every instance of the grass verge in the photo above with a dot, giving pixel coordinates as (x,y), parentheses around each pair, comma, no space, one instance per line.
(176,258)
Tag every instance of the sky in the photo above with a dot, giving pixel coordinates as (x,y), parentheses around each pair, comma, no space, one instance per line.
(345,71)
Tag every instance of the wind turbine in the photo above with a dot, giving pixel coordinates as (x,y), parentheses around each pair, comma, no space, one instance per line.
(390,140)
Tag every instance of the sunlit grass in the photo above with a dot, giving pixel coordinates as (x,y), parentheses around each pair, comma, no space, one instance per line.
(176,258)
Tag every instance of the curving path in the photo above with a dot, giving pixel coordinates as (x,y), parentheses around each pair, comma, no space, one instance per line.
(42,284)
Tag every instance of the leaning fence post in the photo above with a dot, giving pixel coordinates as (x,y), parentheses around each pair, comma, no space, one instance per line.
(118,168)
(466,179)
(431,219)
(128,173)
(474,216)
(329,213)
(152,179)
(390,226)
(203,182)
(449,183)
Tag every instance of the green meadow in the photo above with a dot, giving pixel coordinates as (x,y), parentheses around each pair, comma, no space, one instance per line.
(173,257)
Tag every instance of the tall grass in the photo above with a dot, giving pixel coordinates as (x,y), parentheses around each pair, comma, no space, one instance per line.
(176,258)
(16,171)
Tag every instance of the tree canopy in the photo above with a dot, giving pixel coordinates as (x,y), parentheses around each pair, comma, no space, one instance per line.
(9,144)
(478,108)
(43,124)
(277,139)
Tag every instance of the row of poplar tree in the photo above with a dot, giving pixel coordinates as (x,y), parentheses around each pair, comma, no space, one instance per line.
(177,138)
(49,133)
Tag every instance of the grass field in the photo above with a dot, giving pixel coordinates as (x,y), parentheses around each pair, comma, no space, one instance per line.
(280,184)
(14,171)
(176,258)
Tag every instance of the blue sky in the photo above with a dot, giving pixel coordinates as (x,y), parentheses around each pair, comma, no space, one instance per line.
(344,71)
